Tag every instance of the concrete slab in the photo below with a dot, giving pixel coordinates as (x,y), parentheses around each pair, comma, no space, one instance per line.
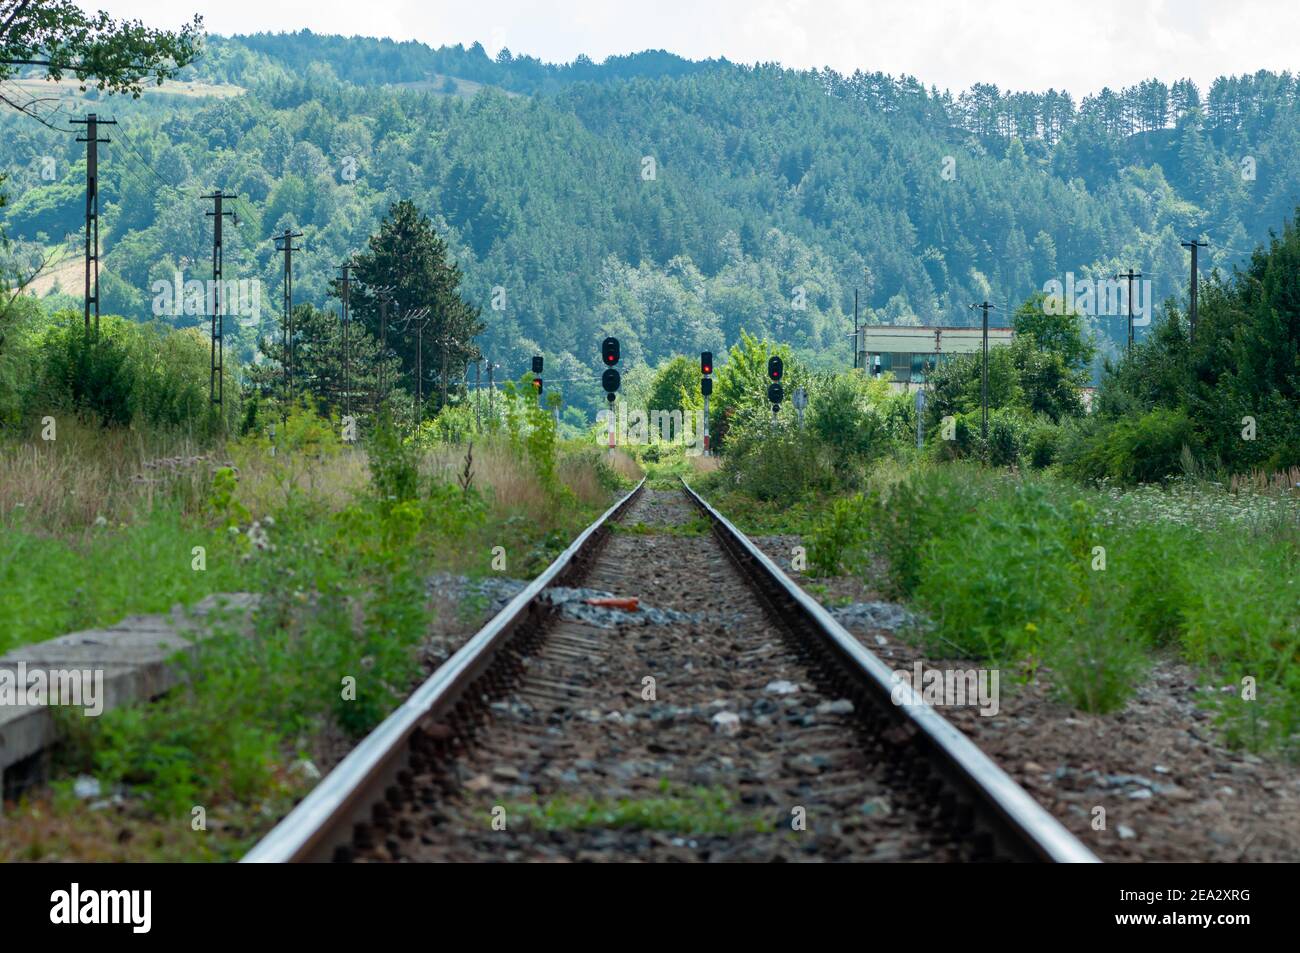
(138,658)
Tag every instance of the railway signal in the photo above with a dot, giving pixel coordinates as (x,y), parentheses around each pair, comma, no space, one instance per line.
(775,392)
(537,375)
(706,388)
(610,380)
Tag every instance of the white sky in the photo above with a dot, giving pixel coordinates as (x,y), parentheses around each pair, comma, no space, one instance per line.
(1079,46)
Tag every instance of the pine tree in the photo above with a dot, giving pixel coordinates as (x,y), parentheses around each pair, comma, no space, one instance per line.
(408,257)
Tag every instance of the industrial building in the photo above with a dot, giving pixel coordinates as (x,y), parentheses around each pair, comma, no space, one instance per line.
(905,356)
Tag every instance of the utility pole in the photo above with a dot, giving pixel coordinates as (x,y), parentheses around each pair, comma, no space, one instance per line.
(287,237)
(92,122)
(478,389)
(1195,245)
(443,343)
(344,286)
(1130,275)
(422,316)
(217,362)
(984,379)
(385,295)
(855,328)
(492,389)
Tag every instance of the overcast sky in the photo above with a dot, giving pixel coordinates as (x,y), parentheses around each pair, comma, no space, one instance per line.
(1079,46)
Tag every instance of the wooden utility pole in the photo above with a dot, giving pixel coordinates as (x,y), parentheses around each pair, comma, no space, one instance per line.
(1130,275)
(287,237)
(217,360)
(1195,245)
(984,378)
(92,122)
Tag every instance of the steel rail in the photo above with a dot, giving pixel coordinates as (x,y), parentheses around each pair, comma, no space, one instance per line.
(1025,827)
(324,818)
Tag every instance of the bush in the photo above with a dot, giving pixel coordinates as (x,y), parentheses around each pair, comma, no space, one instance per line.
(1140,448)
(132,374)
(1007,442)
(837,541)
(1043,442)
(775,460)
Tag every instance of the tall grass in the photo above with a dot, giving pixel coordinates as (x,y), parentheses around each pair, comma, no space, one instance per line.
(100,523)
(1024,571)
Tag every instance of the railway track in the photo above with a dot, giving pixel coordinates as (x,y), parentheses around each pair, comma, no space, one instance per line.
(728,718)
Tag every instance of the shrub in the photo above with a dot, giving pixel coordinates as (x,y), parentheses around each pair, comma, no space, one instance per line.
(1136,448)
(132,374)
(775,460)
(837,541)
(1042,444)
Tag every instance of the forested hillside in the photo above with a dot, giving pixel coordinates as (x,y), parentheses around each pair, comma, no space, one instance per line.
(668,202)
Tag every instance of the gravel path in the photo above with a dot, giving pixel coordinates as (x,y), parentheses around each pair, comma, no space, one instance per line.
(732,753)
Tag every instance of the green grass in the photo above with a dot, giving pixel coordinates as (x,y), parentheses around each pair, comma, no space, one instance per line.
(335,641)
(52,586)
(678,810)
(1036,570)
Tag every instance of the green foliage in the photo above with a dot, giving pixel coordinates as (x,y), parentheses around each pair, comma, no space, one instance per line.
(676,386)
(774,460)
(845,413)
(1050,327)
(114,55)
(1232,396)
(837,542)
(1035,571)
(52,586)
(407,256)
(320,369)
(678,810)
(222,499)
(540,443)
(741,384)
(132,375)
(1143,448)
(394,465)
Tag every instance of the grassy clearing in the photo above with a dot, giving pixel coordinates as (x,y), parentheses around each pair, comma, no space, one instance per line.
(339,541)
(1023,571)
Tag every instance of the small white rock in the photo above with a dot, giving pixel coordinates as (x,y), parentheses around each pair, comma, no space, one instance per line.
(307,770)
(1126,832)
(726,723)
(781,687)
(841,706)
(86,787)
